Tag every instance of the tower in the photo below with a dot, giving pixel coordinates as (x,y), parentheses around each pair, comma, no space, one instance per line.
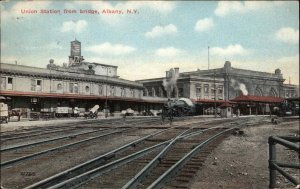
(75,58)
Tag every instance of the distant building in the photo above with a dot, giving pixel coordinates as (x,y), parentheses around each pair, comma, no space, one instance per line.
(211,88)
(222,84)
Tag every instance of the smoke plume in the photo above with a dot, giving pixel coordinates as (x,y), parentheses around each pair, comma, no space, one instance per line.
(170,82)
(239,86)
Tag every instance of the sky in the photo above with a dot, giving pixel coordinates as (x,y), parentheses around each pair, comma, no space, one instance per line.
(156,35)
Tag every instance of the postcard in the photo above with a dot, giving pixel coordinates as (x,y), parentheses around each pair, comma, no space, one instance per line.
(116,94)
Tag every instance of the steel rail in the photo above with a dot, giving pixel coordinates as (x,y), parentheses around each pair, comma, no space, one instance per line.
(145,171)
(29,131)
(86,176)
(71,128)
(11,162)
(83,178)
(91,163)
(172,170)
(68,125)
(47,132)
(50,140)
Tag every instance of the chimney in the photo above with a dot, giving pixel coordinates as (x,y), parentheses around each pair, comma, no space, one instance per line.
(176,71)
(167,74)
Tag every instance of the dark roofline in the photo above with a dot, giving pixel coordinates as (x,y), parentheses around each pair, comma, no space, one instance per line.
(43,72)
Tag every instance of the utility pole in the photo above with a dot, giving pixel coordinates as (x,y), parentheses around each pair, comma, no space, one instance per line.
(215,90)
(208,58)
(106,108)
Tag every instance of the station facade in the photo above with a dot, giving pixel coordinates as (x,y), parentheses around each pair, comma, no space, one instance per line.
(212,88)
(224,83)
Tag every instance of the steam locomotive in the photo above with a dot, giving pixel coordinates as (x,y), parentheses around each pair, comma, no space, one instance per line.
(289,107)
(178,108)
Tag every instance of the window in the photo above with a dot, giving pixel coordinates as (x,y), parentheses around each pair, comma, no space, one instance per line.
(59,87)
(9,83)
(150,92)
(153,91)
(212,91)
(160,92)
(3,83)
(145,92)
(198,91)
(132,93)
(87,89)
(206,87)
(73,87)
(220,89)
(9,80)
(180,92)
(122,91)
(100,89)
(112,91)
(36,84)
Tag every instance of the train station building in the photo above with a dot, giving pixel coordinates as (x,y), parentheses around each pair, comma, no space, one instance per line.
(212,88)
(79,84)
(84,84)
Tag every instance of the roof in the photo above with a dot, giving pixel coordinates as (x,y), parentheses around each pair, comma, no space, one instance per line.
(208,101)
(43,72)
(225,104)
(250,98)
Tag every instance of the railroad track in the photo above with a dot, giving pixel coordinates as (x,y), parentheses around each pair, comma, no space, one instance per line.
(113,158)
(86,134)
(11,158)
(15,166)
(86,125)
(108,156)
(129,148)
(142,172)
(13,155)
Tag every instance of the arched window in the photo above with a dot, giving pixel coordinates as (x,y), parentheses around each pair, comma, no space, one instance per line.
(112,91)
(273,92)
(59,87)
(160,92)
(123,91)
(100,89)
(87,89)
(153,91)
(145,92)
(258,92)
